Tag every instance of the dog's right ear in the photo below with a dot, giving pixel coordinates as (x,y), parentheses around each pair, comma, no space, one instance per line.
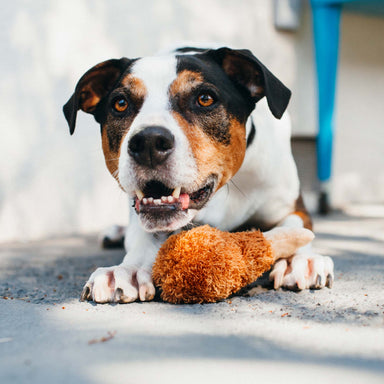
(92,87)
(247,72)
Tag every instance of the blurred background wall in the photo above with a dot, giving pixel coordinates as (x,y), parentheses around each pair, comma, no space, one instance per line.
(51,183)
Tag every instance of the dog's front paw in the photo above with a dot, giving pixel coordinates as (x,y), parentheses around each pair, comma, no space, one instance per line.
(303,271)
(119,284)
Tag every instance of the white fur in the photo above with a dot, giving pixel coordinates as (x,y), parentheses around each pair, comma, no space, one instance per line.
(157,74)
(141,249)
(305,269)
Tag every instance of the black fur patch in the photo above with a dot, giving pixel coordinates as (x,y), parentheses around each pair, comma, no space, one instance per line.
(252,133)
(229,103)
(235,100)
(101,79)
(190,49)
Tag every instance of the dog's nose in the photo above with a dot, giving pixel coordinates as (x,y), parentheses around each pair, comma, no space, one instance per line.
(151,146)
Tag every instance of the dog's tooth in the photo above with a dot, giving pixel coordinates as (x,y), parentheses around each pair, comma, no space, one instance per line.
(145,200)
(157,201)
(150,200)
(164,199)
(170,199)
(176,192)
(139,194)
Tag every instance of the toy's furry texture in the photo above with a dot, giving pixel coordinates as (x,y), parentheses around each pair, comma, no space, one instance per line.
(204,265)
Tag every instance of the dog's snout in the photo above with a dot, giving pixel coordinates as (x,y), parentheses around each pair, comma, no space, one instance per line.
(151,146)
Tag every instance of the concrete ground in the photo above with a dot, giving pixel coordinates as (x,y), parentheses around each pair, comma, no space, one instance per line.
(328,336)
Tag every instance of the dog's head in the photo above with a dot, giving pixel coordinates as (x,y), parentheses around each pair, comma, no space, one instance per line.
(173,126)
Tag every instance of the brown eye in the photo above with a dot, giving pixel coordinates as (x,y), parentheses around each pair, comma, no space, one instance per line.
(120,105)
(205,100)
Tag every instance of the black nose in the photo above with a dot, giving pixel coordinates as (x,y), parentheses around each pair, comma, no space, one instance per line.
(151,146)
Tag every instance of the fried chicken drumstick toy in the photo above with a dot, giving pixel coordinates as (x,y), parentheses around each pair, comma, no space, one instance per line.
(205,265)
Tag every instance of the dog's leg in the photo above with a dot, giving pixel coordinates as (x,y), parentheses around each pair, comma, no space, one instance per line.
(132,279)
(112,237)
(305,269)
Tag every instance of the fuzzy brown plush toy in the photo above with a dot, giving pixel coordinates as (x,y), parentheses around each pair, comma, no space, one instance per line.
(204,265)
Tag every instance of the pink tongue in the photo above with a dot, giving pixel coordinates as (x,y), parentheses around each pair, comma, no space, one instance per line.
(184,199)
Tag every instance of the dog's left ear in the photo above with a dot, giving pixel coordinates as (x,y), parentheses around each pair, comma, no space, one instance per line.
(246,71)
(92,87)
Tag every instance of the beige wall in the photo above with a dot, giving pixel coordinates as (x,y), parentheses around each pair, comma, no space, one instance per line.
(359,138)
(51,183)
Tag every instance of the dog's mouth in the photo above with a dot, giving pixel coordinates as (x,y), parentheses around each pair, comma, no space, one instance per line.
(158,199)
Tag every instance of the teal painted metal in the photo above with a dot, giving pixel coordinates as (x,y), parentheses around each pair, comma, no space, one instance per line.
(326,21)
(326,26)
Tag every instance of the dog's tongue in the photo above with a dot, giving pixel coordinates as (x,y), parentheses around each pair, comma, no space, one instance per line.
(184,200)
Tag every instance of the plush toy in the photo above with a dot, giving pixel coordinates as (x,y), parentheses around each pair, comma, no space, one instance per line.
(204,265)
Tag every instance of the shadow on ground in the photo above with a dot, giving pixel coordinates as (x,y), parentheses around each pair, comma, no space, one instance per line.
(38,275)
(53,270)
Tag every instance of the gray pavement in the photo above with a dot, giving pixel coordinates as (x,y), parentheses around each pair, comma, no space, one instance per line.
(331,335)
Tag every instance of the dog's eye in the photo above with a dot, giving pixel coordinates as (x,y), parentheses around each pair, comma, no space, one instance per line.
(120,104)
(205,100)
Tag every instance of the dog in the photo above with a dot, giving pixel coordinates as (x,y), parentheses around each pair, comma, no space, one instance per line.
(182,137)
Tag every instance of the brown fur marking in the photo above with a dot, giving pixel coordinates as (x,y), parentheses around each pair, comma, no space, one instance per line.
(185,82)
(111,158)
(136,87)
(213,157)
(88,99)
(302,212)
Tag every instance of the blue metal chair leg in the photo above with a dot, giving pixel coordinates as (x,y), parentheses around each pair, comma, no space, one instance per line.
(326,21)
